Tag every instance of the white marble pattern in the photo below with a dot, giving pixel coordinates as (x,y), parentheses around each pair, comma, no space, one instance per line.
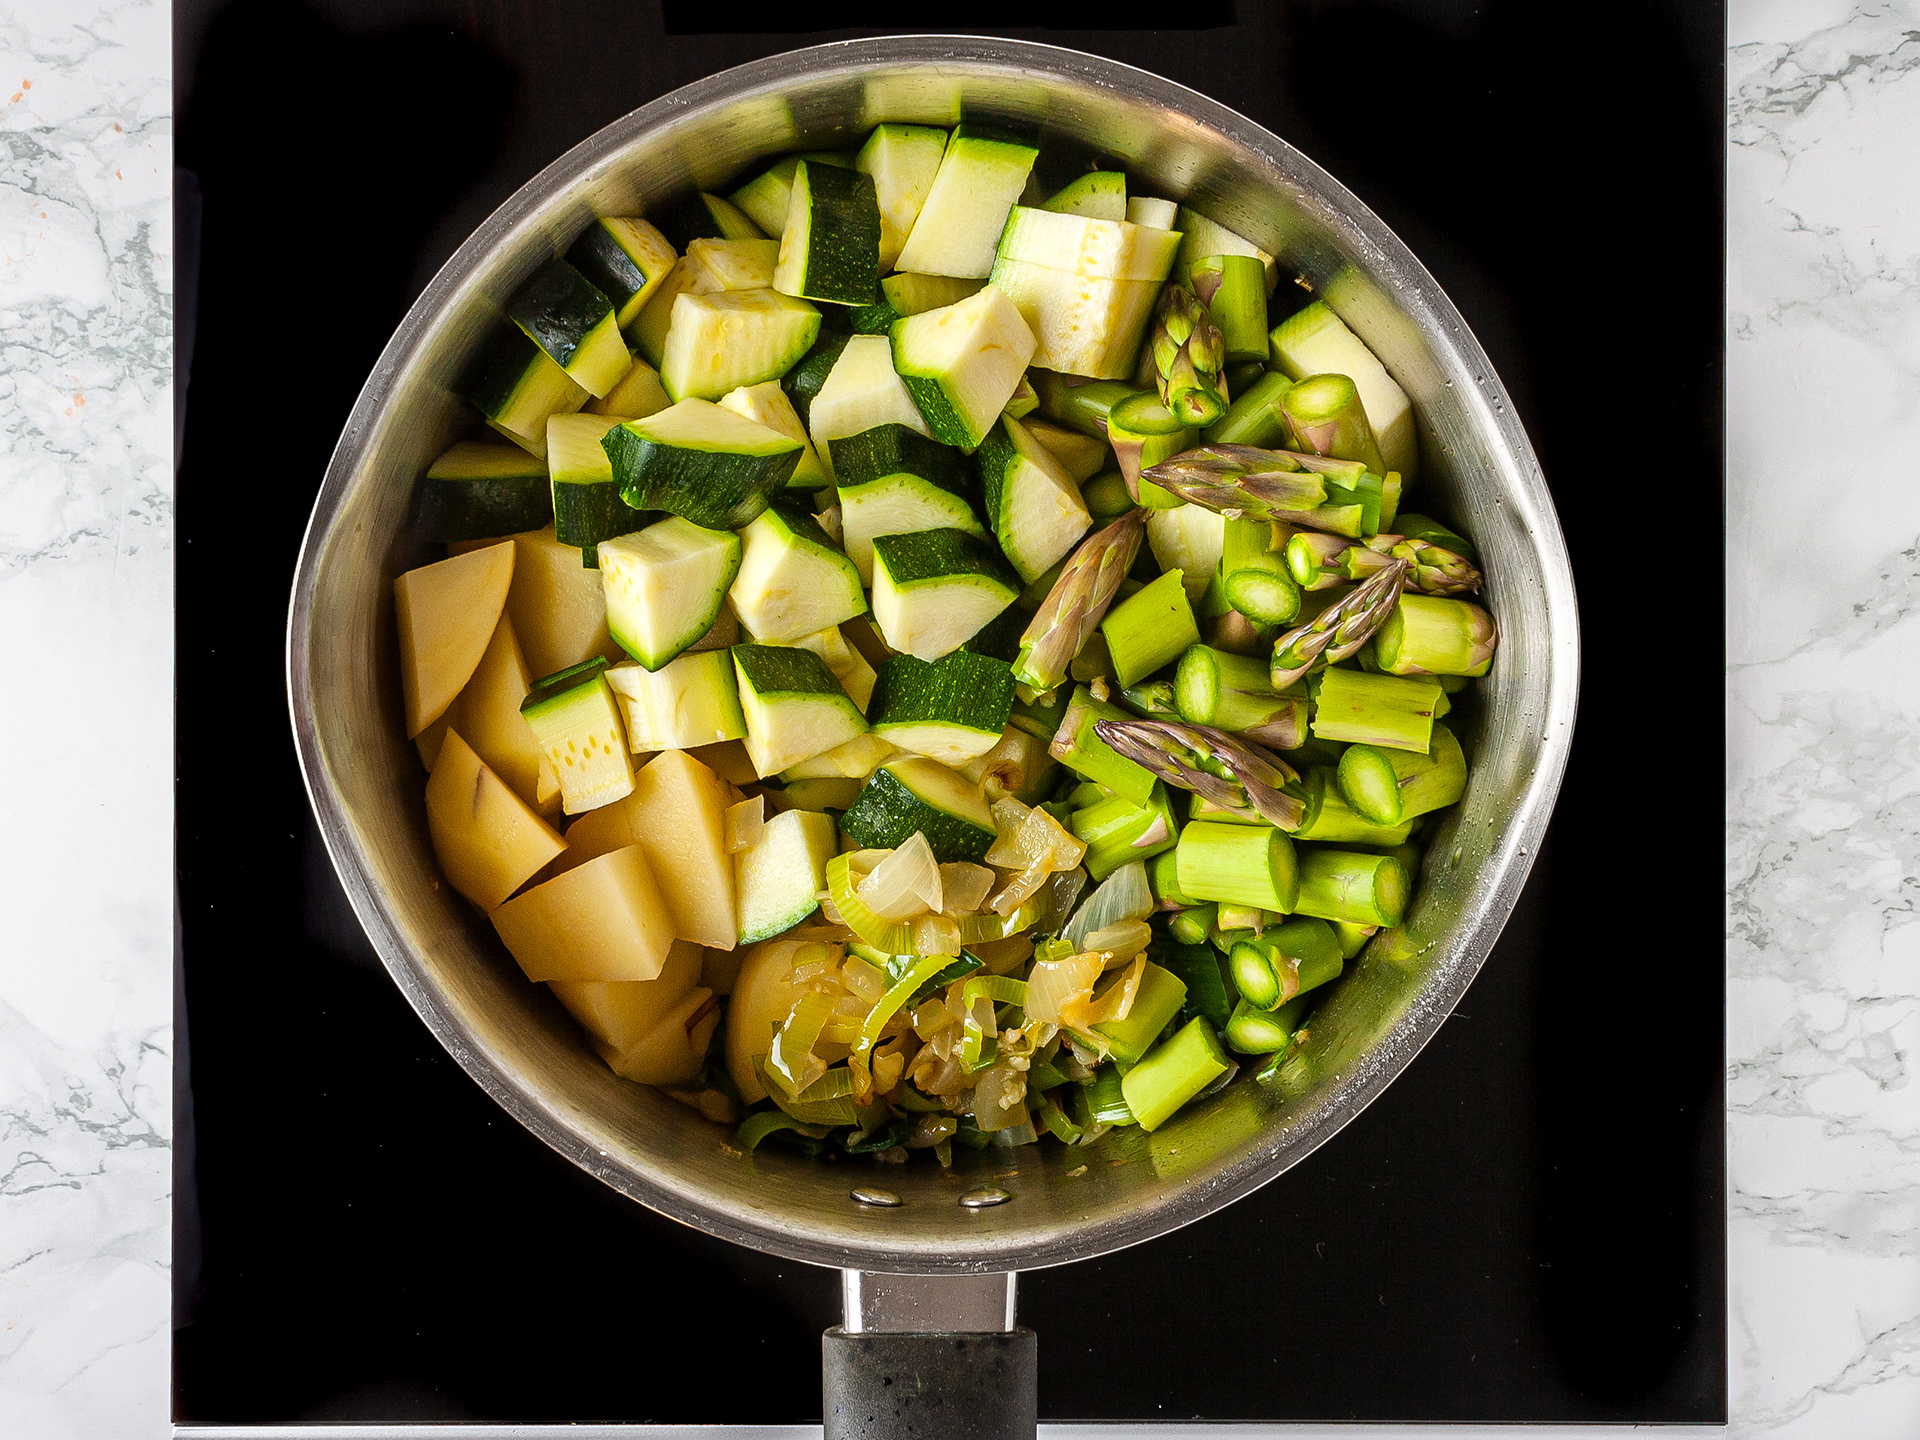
(1823,776)
(1823,781)
(86,584)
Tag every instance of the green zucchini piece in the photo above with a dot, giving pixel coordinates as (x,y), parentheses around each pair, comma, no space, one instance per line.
(1153,214)
(560,311)
(1150,628)
(914,794)
(626,259)
(1000,636)
(692,700)
(576,723)
(893,481)
(703,216)
(1201,237)
(903,160)
(821,794)
(476,491)
(861,391)
(587,507)
(710,267)
(1085,287)
(851,668)
(720,342)
(1033,505)
(934,589)
(980,177)
(793,580)
(855,759)
(665,586)
(1315,341)
(777,879)
(909,294)
(638,394)
(804,381)
(953,709)
(963,363)
(1098,194)
(794,707)
(1081,456)
(830,248)
(764,198)
(768,404)
(715,468)
(516,386)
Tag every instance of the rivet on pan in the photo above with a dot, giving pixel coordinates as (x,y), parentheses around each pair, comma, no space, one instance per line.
(984,1197)
(873,1195)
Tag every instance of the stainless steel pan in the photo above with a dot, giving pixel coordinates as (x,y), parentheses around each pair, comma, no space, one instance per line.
(365,781)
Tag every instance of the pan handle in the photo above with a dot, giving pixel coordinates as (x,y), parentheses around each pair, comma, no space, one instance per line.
(933,1356)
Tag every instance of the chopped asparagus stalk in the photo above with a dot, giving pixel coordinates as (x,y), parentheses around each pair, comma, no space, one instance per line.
(1157,1001)
(1429,636)
(1325,415)
(1176,1071)
(1238,864)
(1349,885)
(1079,746)
(1329,818)
(1386,710)
(1150,628)
(1254,576)
(1234,290)
(1151,701)
(1192,926)
(1254,417)
(1117,831)
(1230,692)
(1253,1031)
(1369,783)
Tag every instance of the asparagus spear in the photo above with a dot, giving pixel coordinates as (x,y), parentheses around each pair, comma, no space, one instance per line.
(1078,602)
(1151,701)
(1239,480)
(1435,569)
(1247,779)
(1341,629)
(1188,353)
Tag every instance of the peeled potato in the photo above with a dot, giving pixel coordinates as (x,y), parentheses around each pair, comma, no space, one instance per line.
(619,1013)
(488,715)
(764,994)
(678,811)
(604,920)
(447,612)
(672,1052)
(490,841)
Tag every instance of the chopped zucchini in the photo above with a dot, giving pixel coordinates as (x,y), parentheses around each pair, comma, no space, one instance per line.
(902,159)
(1081,456)
(830,248)
(768,404)
(479,491)
(1091,248)
(912,795)
(665,585)
(517,387)
(795,709)
(793,580)
(855,759)
(1190,539)
(715,468)
(577,722)
(764,198)
(952,710)
(893,481)
(1033,504)
(933,590)
(980,177)
(692,700)
(638,394)
(562,313)
(1098,194)
(777,880)
(702,216)
(1085,287)
(721,342)
(1201,237)
(1153,214)
(1315,341)
(725,265)
(861,391)
(1024,402)
(587,507)
(962,363)
(849,666)
(907,294)
(624,258)
(805,380)
(820,794)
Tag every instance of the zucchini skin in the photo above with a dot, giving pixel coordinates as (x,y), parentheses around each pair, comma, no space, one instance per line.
(714,490)
(558,308)
(482,509)
(604,263)
(584,515)
(499,370)
(960,689)
(933,556)
(887,815)
(841,263)
(804,380)
(895,449)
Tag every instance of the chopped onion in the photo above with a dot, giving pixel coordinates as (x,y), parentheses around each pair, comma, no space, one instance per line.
(930,1130)
(1122,940)
(931,1018)
(829,519)
(791,1059)
(999,1098)
(1061,895)
(1003,957)
(1055,987)
(1116,1000)
(1023,1134)
(936,935)
(1009,820)
(1123,895)
(863,979)
(1021,888)
(896,888)
(964,887)
(745,822)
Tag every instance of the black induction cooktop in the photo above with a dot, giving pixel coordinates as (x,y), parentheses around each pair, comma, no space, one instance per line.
(1528,1226)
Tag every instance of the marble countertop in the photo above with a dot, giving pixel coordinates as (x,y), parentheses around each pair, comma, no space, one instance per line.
(1823,777)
